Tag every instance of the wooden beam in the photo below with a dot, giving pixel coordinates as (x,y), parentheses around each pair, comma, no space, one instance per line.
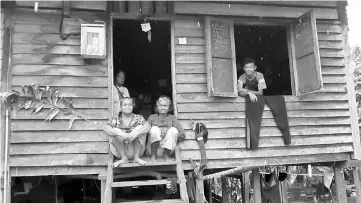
(200,197)
(181,177)
(226,190)
(340,183)
(350,82)
(357,182)
(245,187)
(256,186)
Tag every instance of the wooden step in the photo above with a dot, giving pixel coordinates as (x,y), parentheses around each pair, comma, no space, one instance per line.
(139,183)
(153,201)
(159,162)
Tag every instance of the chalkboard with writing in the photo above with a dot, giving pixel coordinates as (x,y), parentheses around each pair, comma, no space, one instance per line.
(220,39)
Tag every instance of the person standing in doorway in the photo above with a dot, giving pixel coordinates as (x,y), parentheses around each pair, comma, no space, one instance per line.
(119,91)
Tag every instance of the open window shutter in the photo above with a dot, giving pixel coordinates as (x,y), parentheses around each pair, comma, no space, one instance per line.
(220,57)
(308,76)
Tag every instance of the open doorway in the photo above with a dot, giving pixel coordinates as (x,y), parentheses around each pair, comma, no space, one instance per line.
(145,62)
(268,46)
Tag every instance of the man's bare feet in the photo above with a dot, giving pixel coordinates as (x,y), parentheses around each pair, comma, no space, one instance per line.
(153,159)
(166,157)
(120,162)
(139,161)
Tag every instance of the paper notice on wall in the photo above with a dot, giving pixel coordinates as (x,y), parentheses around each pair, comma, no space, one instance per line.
(182,40)
(146,27)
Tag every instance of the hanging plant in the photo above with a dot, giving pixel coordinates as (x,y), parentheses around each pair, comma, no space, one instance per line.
(34,98)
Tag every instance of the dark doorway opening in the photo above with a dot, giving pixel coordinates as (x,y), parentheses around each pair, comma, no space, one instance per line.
(146,63)
(268,46)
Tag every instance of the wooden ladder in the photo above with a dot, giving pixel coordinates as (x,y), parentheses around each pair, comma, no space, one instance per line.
(152,167)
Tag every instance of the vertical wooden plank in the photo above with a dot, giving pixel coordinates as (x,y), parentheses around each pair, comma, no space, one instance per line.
(340,184)
(173,72)
(110,67)
(120,6)
(134,7)
(226,193)
(357,182)
(181,177)
(350,82)
(256,186)
(147,7)
(161,7)
(200,189)
(292,62)
(102,190)
(245,187)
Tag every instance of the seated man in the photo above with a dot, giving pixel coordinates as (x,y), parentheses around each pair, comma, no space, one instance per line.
(127,134)
(165,130)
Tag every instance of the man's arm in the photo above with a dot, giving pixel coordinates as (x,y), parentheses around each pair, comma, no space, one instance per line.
(244,92)
(139,131)
(113,132)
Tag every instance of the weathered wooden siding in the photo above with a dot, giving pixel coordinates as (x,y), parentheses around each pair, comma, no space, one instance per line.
(320,122)
(41,57)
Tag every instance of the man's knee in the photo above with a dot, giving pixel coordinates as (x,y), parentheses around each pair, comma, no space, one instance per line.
(172,130)
(155,130)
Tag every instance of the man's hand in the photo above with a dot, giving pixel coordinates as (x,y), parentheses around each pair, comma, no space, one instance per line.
(252,96)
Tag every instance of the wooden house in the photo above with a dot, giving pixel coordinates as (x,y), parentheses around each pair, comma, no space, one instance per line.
(321,106)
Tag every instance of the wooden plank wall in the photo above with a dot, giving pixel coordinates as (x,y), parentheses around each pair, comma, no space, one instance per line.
(320,122)
(42,58)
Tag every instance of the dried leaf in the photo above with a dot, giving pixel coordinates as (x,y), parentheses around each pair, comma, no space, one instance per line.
(24,89)
(47,88)
(38,107)
(53,112)
(49,96)
(40,93)
(32,90)
(68,104)
(55,97)
(27,104)
(71,121)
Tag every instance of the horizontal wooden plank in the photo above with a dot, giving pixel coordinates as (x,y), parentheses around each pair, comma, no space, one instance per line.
(85,103)
(87,70)
(191,88)
(234,9)
(58,136)
(330,45)
(53,39)
(202,78)
(65,81)
(188,22)
(59,160)
(89,5)
(240,122)
(60,148)
(190,68)
(186,32)
(330,70)
(45,49)
(204,98)
(191,40)
(301,3)
(86,113)
(283,160)
(46,28)
(56,59)
(332,62)
(328,28)
(56,170)
(266,114)
(36,125)
(329,37)
(225,133)
(268,152)
(78,92)
(184,49)
(190,58)
(219,107)
(202,87)
(264,142)
(331,53)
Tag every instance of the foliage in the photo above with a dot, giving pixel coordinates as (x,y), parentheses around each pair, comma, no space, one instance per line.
(355,63)
(34,98)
